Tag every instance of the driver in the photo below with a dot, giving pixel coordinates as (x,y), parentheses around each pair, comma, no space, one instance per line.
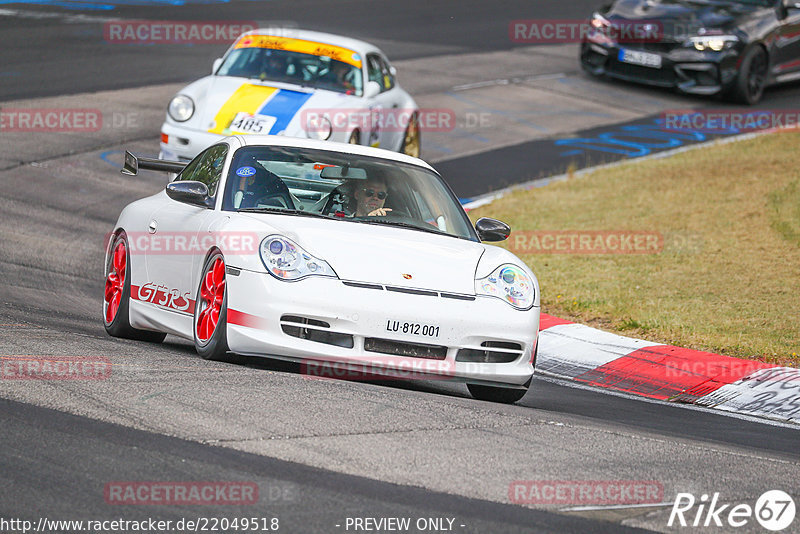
(370,197)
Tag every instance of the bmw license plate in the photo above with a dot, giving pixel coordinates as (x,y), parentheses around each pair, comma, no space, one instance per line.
(414,329)
(635,57)
(252,124)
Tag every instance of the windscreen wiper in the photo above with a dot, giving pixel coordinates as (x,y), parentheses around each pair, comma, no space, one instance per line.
(283,211)
(374,220)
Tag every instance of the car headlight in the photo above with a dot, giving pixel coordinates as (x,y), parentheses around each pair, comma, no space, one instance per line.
(181,108)
(509,283)
(711,42)
(286,260)
(599,22)
(319,127)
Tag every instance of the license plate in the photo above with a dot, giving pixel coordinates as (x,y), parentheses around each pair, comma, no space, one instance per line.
(252,124)
(636,57)
(414,329)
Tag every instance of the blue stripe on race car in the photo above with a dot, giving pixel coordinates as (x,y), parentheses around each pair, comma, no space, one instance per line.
(283,107)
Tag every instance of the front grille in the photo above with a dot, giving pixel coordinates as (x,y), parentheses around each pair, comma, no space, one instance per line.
(409,290)
(663,76)
(400,348)
(491,352)
(314,330)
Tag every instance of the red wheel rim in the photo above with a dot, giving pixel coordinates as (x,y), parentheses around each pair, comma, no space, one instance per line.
(212,291)
(115,281)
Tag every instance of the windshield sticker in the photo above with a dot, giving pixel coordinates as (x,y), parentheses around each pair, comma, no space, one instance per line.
(301,46)
(246,171)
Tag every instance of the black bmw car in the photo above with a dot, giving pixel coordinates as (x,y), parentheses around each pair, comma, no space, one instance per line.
(733,48)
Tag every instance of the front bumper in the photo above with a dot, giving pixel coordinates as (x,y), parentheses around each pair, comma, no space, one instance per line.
(685,69)
(258,306)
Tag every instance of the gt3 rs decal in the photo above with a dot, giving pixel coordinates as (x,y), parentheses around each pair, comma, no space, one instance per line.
(164,297)
(267,106)
(240,318)
(299,45)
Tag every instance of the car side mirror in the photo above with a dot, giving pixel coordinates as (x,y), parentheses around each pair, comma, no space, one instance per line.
(372,89)
(790,4)
(216,65)
(492,229)
(190,192)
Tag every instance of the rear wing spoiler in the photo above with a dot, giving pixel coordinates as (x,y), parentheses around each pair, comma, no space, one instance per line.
(133,163)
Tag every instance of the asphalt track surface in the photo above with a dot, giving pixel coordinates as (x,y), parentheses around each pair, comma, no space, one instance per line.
(331,449)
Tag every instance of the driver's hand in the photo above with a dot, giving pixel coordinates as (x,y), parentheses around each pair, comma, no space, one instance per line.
(380,212)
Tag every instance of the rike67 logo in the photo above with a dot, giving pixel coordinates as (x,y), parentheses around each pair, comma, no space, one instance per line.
(774,510)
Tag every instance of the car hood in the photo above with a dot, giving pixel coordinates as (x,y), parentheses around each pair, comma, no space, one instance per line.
(683,18)
(224,96)
(382,254)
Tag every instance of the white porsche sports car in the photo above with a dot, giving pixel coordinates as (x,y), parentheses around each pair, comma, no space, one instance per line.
(328,254)
(300,84)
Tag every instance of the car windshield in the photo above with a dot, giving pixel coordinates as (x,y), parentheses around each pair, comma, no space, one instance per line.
(293,67)
(343,187)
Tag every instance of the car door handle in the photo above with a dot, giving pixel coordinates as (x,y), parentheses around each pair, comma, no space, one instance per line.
(153,226)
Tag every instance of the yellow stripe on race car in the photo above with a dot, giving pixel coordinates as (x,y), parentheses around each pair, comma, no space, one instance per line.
(301,46)
(247,98)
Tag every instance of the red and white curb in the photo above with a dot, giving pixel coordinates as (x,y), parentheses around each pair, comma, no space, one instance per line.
(590,356)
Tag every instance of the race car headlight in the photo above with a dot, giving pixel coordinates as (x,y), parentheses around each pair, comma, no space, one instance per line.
(181,108)
(319,127)
(509,283)
(286,260)
(711,42)
(599,22)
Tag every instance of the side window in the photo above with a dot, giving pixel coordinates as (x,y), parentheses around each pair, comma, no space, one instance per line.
(386,74)
(207,168)
(375,70)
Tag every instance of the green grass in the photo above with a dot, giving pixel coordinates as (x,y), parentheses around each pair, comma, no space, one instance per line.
(727,279)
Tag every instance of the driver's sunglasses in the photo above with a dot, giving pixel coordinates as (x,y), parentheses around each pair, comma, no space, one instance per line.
(372,193)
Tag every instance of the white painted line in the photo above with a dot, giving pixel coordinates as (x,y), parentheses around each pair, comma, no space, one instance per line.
(488,198)
(614,507)
(507,81)
(561,381)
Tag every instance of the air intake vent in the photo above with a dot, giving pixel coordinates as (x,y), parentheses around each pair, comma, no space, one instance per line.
(314,330)
(399,348)
(491,352)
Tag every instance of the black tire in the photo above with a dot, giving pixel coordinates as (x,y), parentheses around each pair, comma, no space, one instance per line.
(498,394)
(120,325)
(752,77)
(216,346)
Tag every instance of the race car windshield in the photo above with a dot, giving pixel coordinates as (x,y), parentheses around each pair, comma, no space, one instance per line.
(343,187)
(286,66)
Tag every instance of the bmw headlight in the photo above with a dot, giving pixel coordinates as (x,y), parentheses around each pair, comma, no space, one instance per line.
(319,127)
(181,108)
(286,260)
(715,43)
(599,22)
(509,283)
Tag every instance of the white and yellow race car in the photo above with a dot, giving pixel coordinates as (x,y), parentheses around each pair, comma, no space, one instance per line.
(300,84)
